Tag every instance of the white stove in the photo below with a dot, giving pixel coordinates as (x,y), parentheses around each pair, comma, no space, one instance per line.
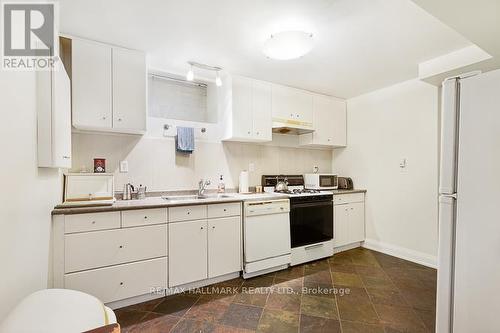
(311,218)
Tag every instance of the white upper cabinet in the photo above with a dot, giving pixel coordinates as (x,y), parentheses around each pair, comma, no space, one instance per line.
(246,110)
(329,119)
(91,85)
(54,118)
(291,106)
(108,88)
(129,90)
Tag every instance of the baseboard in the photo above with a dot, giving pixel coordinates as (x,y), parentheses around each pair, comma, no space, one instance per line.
(401,252)
(346,247)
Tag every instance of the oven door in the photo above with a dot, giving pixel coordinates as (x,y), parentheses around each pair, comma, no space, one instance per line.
(311,222)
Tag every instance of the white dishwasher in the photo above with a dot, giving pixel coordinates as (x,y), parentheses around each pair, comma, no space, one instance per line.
(266,236)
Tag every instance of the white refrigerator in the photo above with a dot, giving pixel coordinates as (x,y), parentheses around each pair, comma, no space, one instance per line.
(468,295)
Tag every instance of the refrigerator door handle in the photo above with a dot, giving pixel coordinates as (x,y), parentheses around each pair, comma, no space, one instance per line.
(453,196)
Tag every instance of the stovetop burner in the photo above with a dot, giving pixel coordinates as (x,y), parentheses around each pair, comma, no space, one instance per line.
(299,191)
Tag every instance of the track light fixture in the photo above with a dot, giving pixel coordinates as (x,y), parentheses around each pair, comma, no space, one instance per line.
(192,64)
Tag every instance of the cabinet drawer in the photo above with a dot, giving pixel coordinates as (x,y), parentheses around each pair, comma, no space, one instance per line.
(119,282)
(225,209)
(110,247)
(186,213)
(348,198)
(141,217)
(91,222)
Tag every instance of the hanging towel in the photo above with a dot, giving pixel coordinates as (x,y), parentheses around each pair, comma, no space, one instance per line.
(184,141)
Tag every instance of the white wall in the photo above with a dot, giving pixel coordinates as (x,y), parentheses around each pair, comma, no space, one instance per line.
(384,127)
(154,162)
(27,196)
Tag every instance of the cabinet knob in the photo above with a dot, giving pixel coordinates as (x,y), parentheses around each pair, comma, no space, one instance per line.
(119,119)
(213,227)
(201,228)
(93,222)
(121,246)
(121,283)
(225,209)
(145,217)
(103,117)
(66,157)
(258,133)
(188,213)
(248,132)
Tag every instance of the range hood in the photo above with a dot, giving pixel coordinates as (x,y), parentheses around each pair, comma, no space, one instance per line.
(293,127)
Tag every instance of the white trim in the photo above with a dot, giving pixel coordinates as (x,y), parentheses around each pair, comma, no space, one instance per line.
(401,252)
(346,247)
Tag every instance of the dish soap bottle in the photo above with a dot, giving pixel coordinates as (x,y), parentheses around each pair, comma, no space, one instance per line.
(222,187)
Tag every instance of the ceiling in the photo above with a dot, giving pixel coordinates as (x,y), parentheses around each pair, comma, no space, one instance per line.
(360,45)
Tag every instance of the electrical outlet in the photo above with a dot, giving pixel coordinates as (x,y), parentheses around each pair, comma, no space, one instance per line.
(124,166)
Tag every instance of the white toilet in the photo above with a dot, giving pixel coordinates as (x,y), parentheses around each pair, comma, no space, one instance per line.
(57,310)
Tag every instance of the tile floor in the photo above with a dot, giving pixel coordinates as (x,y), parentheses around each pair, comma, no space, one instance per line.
(353,291)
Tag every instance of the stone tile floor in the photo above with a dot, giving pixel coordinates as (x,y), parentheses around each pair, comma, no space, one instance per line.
(354,291)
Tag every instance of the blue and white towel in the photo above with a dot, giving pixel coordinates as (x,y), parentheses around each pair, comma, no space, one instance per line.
(184,141)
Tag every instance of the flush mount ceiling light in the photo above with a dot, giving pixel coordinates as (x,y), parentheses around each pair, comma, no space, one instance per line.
(288,45)
(216,69)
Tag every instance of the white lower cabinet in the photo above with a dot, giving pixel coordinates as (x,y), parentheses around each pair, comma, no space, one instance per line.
(115,283)
(204,248)
(224,246)
(187,252)
(349,219)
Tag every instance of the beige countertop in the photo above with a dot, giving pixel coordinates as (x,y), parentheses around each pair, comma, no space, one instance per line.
(159,202)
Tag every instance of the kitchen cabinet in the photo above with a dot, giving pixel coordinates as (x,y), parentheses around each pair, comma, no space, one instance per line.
(129,90)
(204,248)
(188,252)
(224,246)
(329,122)
(291,106)
(53,118)
(246,107)
(91,85)
(349,219)
(108,88)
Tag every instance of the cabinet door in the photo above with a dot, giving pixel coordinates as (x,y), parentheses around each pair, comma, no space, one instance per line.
(242,108)
(224,246)
(322,119)
(91,85)
(61,113)
(261,111)
(187,250)
(129,90)
(339,121)
(356,222)
(341,225)
(302,103)
(282,104)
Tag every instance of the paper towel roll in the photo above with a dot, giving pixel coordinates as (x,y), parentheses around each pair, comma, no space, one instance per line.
(243,188)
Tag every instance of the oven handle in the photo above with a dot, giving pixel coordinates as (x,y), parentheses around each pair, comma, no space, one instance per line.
(313,246)
(311,204)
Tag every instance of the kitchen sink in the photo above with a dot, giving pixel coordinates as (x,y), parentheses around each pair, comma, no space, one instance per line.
(194,197)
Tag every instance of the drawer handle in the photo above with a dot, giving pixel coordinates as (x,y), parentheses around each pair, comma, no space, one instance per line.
(313,246)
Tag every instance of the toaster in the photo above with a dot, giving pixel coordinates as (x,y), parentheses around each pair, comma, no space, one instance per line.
(345,183)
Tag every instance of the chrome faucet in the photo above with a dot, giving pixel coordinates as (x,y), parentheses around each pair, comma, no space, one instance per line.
(202,186)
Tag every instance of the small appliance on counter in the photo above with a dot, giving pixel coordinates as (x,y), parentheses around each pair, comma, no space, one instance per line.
(345,183)
(320,181)
(88,189)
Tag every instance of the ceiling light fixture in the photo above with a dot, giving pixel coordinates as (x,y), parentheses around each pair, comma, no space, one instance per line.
(288,45)
(216,69)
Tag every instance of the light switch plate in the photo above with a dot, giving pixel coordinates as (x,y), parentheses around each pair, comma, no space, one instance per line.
(123,166)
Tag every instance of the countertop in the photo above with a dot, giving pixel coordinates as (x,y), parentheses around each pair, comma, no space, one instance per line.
(159,202)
